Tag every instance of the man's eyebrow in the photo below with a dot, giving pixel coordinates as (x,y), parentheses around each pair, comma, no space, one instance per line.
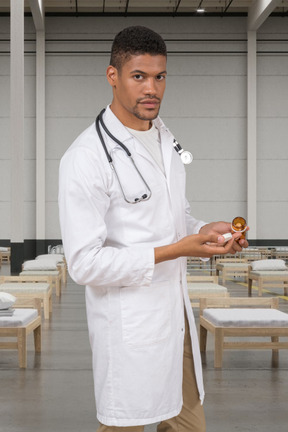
(145,73)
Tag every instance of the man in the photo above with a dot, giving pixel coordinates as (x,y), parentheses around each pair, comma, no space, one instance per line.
(127,232)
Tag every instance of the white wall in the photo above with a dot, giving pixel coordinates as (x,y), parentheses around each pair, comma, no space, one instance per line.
(204,105)
(272,130)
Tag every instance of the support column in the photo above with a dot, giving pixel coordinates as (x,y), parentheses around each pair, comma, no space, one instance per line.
(17,133)
(252,134)
(40,142)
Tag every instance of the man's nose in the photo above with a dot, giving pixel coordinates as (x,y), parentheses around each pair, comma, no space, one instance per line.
(150,86)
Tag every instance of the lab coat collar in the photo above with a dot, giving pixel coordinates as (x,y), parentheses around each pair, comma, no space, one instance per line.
(121,132)
(115,126)
(166,144)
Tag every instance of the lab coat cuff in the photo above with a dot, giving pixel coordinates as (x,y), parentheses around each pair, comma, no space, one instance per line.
(149,259)
(199,226)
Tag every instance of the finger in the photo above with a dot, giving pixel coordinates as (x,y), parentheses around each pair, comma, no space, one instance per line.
(237,236)
(229,246)
(244,243)
(215,245)
(236,247)
(212,249)
(216,239)
(226,227)
(224,238)
(233,247)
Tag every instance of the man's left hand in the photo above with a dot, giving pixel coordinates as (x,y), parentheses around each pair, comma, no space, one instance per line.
(223,228)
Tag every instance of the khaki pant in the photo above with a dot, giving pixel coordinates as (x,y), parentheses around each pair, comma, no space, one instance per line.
(191,417)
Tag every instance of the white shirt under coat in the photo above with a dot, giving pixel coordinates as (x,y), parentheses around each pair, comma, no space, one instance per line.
(135,309)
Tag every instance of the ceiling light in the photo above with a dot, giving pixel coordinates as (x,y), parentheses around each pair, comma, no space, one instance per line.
(200,10)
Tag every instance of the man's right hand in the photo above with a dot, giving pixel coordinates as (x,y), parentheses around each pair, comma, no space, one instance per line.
(198,245)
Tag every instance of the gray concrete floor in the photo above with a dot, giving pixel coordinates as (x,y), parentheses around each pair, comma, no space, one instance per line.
(55,392)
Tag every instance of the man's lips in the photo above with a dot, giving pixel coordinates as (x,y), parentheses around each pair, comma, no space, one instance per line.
(150,103)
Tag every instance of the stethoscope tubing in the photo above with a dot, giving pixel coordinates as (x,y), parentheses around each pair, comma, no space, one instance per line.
(100,116)
(110,160)
(99,121)
(186,157)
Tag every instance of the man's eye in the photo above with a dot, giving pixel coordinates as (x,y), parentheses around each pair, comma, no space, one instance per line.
(138,77)
(160,77)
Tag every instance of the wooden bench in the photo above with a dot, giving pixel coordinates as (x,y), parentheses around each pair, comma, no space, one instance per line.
(280,253)
(54,277)
(195,264)
(5,254)
(24,321)
(231,267)
(204,287)
(278,278)
(242,317)
(255,254)
(59,260)
(62,268)
(26,286)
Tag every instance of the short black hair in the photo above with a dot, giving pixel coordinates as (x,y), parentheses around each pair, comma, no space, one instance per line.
(135,40)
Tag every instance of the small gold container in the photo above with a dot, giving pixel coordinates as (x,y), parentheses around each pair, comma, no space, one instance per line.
(239,224)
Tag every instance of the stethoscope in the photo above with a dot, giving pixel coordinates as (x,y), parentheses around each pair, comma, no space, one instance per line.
(185,155)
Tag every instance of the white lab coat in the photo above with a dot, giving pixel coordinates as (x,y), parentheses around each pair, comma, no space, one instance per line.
(135,309)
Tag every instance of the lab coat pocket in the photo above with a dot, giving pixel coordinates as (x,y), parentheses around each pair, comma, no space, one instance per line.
(146,313)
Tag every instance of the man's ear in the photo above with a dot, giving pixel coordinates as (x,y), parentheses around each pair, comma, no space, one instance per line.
(112,75)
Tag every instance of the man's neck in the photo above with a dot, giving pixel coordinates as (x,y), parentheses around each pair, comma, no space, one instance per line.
(130,121)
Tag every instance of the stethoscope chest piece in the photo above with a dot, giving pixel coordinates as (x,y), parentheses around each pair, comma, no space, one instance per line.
(186,156)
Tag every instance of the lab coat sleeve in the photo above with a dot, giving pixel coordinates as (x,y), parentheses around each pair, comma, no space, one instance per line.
(83,203)
(193,225)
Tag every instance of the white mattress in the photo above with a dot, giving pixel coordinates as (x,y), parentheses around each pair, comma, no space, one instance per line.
(236,265)
(270,273)
(25,287)
(234,317)
(58,258)
(20,318)
(39,273)
(42,264)
(203,287)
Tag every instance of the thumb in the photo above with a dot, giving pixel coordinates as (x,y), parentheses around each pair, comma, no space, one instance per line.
(228,236)
(225,237)
(216,238)
(221,239)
